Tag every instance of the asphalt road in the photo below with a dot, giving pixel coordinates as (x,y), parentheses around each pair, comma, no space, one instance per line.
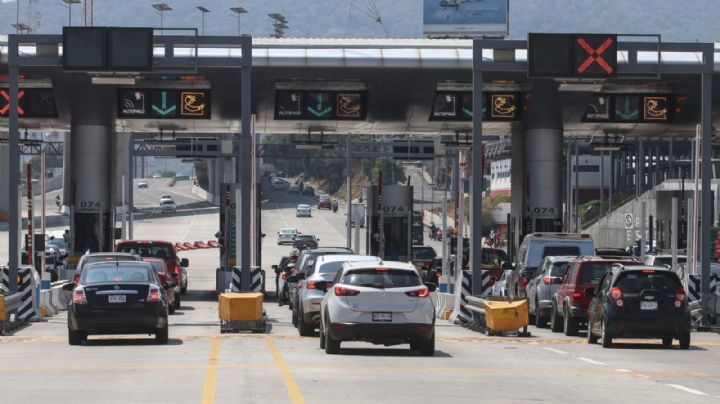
(200,365)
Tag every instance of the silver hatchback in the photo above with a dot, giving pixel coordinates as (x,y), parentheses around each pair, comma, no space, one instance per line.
(541,288)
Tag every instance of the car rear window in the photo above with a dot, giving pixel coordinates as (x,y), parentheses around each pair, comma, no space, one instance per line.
(157,266)
(550,251)
(330,267)
(637,281)
(381,278)
(423,253)
(304,237)
(493,257)
(590,274)
(147,250)
(103,273)
(107,258)
(558,269)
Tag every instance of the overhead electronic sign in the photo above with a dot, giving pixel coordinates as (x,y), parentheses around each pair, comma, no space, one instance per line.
(656,108)
(572,55)
(163,104)
(320,105)
(107,49)
(598,109)
(32,103)
(458,106)
(638,108)
(465,19)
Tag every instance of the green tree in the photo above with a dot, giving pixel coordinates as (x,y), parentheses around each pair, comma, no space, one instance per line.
(392,171)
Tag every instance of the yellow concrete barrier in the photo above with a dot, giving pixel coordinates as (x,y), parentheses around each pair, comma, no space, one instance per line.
(2,309)
(506,316)
(240,306)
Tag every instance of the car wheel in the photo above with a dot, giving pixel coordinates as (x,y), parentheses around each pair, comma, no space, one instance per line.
(555,325)
(161,335)
(591,338)
(667,342)
(570,325)
(294,318)
(426,347)
(177,301)
(76,337)
(305,330)
(332,346)
(605,338)
(540,321)
(685,340)
(322,336)
(171,308)
(183,290)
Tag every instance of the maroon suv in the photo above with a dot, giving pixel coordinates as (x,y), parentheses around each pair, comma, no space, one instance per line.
(159,249)
(570,302)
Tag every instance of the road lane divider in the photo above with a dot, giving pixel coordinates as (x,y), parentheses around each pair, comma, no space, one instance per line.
(210,384)
(290,384)
(687,389)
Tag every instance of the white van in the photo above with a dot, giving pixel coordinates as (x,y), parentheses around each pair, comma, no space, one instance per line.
(535,247)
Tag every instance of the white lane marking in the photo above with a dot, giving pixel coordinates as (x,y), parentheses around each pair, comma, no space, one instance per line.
(557,351)
(533,343)
(187,229)
(588,360)
(687,389)
(623,370)
(279,211)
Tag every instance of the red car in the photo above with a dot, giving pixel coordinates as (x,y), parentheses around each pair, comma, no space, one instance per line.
(324,202)
(159,249)
(172,294)
(570,303)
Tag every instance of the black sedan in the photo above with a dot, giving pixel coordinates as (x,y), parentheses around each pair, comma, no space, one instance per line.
(305,241)
(638,301)
(118,298)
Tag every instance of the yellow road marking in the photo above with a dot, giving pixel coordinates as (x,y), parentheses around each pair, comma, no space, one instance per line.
(290,384)
(91,368)
(210,385)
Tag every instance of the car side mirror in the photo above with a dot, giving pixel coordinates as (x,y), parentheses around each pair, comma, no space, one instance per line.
(184,263)
(276,268)
(68,287)
(589,292)
(431,286)
(322,286)
(317,239)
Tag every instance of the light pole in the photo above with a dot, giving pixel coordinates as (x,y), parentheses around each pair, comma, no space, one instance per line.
(69,7)
(238,11)
(162,8)
(203,10)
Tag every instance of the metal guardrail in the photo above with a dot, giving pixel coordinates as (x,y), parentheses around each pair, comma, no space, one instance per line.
(10,319)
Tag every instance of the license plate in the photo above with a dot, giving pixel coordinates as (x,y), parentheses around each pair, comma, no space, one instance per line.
(116,299)
(382,316)
(648,305)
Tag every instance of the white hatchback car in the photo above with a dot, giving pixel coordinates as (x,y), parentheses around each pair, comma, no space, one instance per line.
(287,235)
(303,211)
(381,302)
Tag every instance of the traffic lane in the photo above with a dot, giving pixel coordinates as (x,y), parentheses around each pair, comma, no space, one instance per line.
(108,370)
(695,369)
(459,371)
(181,192)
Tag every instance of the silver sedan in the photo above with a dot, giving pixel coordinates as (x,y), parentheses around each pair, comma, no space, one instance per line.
(542,287)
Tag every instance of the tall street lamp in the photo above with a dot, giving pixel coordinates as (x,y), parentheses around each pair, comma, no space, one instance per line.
(69,7)
(203,10)
(162,8)
(238,11)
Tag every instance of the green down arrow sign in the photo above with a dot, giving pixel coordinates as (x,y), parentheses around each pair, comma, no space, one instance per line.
(164,109)
(318,111)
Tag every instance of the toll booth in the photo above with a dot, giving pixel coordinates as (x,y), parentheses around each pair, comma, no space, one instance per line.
(228,214)
(389,230)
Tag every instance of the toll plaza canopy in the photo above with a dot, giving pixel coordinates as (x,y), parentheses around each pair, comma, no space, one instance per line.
(366,86)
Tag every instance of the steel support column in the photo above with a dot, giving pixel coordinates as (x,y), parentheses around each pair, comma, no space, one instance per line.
(706,172)
(244,159)
(477,175)
(14,167)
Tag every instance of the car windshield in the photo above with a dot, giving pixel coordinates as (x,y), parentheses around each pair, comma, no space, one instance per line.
(147,250)
(591,273)
(423,253)
(383,278)
(637,281)
(324,197)
(115,273)
(303,207)
(330,267)
(667,261)
(558,269)
(288,231)
(168,202)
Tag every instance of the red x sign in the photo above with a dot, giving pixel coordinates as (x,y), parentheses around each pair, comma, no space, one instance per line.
(595,55)
(6,95)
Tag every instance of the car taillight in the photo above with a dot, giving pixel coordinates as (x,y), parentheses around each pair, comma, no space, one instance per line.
(79,296)
(577,295)
(424,292)
(679,297)
(153,294)
(616,295)
(547,280)
(311,284)
(283,276)
(176,269)
(343,291)
(76,279)
(523,282)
